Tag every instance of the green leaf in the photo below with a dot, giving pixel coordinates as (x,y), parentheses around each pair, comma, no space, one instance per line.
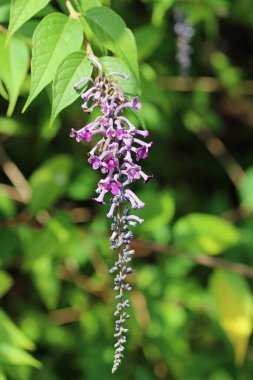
(49,182)
(10,355)
(87,4)
(246,189)
(55,37)
(4,10)
(7,205)
(11,334)
(2,375)
(111,64)
(234,308)
(73,68)
(14,62)
(21,11)
(112,32)
(202,233)
(151,34)
(5,283)
(3,92)
(46,281)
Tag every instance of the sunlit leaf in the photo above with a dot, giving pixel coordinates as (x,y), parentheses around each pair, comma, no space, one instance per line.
(73,68)
(11,334)
(5,282)
(21,11)
(14,61)
(10,355)
(112,32)
(55,37)
(234,308)
(202,233)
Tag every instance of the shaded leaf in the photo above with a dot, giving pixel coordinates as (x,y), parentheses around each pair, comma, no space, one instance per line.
(55,37)
(112,32)
(147,33)
(21,11)
(202,233)
(74,67)
(46,280)
(49,182)
(14,61)
(234,308)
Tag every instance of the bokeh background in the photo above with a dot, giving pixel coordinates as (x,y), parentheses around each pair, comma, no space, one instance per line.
(191,316)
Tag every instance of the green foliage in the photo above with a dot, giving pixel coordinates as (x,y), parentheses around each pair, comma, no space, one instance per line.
(54,38)
(14,60)
(234,307)
(73,68)
(48,182)
(21,11)
(204,233)
(112,32)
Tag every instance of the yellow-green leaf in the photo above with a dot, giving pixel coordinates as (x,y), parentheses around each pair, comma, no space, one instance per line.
(203,233)
(234,308)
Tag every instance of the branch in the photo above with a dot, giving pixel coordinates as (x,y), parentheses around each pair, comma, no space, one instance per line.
(205,260)
(205,84)
(3,30)
(15,176)
(72,12)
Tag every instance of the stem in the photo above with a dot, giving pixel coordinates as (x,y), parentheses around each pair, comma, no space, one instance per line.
(72,12)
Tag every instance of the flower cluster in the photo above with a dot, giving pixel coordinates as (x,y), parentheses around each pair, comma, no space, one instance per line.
(117,155)
(184,32)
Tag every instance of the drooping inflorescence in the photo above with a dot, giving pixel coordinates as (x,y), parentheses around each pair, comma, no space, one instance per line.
(117,155)
(184,32)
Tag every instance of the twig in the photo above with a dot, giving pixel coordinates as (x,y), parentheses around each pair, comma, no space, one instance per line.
(3,30)
(217,148)
(15,176)
(72,12)
(12,193)
(205,84)
(201,259)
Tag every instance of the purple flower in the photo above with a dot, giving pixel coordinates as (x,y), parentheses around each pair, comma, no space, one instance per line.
(121,145)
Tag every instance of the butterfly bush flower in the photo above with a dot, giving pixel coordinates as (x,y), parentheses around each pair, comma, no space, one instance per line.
(184,31)
(117,155)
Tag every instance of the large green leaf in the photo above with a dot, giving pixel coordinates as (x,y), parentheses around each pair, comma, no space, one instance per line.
(74,67)
(10,355)
(21,11)
(112,32)
(234,308)
(55,37)
(202,233)
(14,61)
(49,182)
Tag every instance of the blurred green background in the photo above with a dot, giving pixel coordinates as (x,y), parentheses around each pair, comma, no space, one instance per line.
(191,317)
